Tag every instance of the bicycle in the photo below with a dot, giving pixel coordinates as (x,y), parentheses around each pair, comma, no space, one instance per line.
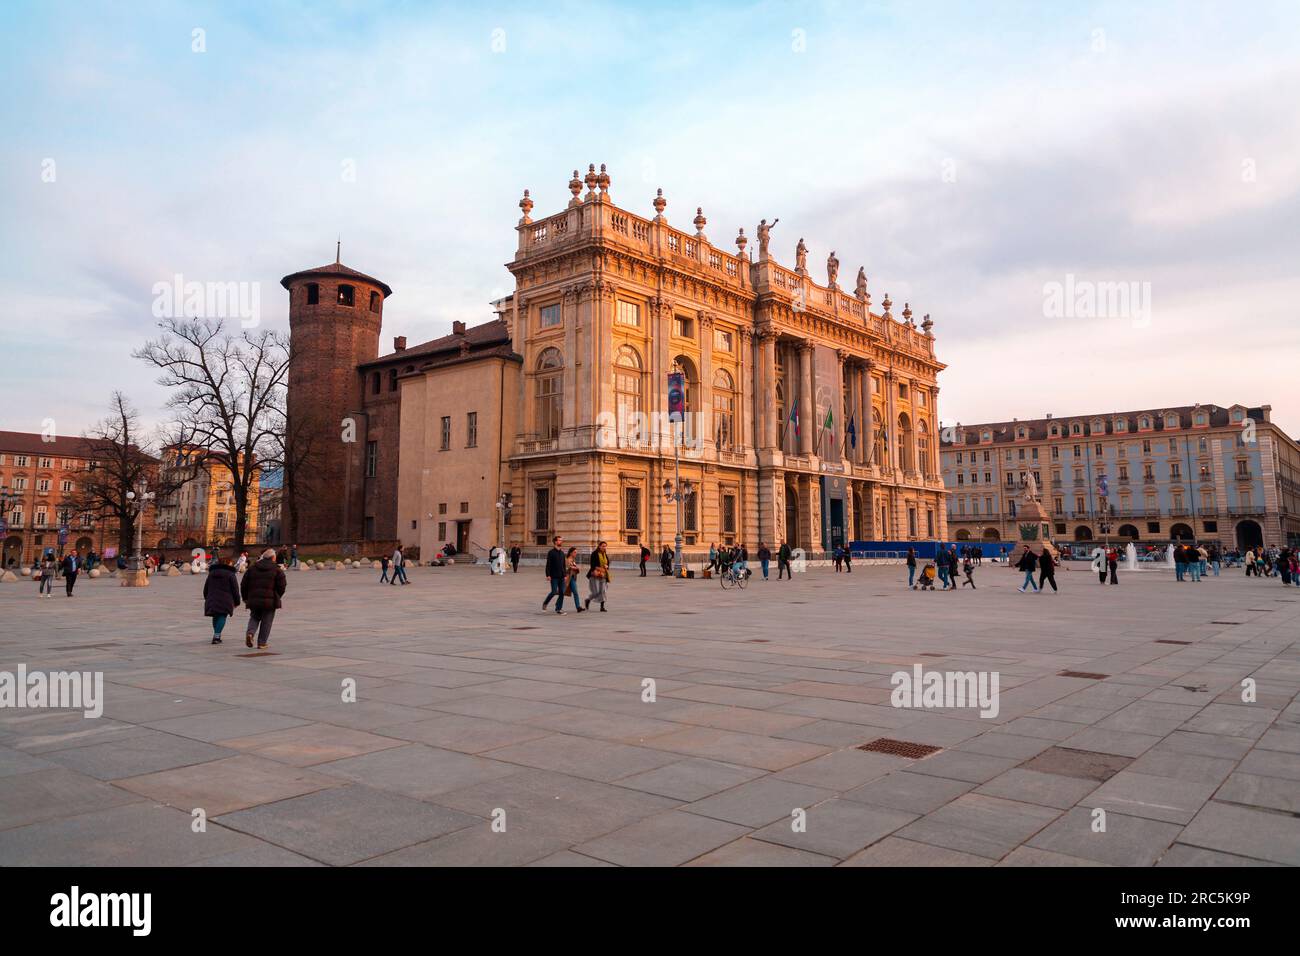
(730,577)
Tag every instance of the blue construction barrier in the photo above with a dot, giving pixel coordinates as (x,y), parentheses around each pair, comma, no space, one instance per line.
(925,550)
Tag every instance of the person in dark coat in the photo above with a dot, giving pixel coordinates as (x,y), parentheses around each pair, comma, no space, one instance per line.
(1027,563)
(645,556)
(783,554)
(556,573)
(1046,570)
(263,586)
(514,558)
(220,596)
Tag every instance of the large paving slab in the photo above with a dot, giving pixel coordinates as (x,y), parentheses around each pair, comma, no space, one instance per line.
(487,733)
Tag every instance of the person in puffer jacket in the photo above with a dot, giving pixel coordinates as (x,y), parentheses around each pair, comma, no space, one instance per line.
(263,586)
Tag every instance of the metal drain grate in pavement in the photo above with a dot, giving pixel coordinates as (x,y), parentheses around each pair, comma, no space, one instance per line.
(758,640)
(1087,675)
(931,654)
(898,748)
(260,654)
(526,627)
(1173,642)
(1228,622)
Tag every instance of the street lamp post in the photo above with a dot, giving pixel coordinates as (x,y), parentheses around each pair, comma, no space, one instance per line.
(503,515)
(677,489)
(138,575)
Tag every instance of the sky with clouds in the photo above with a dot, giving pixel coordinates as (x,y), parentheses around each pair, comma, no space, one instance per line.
(969,155)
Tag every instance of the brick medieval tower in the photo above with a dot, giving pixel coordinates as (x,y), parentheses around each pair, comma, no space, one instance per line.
(334,319)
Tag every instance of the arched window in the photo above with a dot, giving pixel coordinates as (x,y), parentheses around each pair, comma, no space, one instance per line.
(549,393)
(392,379)
(627,391)
(683,364)
(923,446)
(724,410)
(374,302)
(906,457)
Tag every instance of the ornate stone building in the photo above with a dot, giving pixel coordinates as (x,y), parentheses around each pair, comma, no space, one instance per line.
(809,418)
(1188,473)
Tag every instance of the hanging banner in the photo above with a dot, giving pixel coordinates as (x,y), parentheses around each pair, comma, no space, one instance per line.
(676,397)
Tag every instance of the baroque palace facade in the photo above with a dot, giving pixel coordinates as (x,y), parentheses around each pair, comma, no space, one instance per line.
(810,419)
(1204,473)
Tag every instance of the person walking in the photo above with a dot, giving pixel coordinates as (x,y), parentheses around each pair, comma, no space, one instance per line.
(515,554)
(1216,559)
(941,567)
(848,560)
(838,557)
(1046,570)
(45,577)
(598,576)
(220,596)
(1193,556)
(556,574)
(764,558)
(968,569)
(1112,564)
(71,564)
(293,556)
(384,561)
(1028,563)
(645,556)
(783,562)
(262,587)
(713,558)
(399,566)
(571,572)
(911,568)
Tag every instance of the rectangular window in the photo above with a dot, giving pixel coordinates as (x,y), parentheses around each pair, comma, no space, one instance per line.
(372,458)
(550,316)
(313,293)
(722,341)
(21,461)
(728,514)
(929,519)
(345,295)
(471,429)
(541,512)
(442,508)
(690,511)
(632,508)
(46,463)
(43,484)
(442,531)
(629,313)
(464,507)
(446,432)
(683,327)
(911,520)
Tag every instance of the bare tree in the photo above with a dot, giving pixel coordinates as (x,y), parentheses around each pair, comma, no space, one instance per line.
(228,399)
(120,460)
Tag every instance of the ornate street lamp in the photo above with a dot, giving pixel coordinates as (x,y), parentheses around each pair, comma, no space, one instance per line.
(140,497)
(677,489)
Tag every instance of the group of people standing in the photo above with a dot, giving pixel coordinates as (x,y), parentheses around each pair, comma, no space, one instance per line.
(1193,561)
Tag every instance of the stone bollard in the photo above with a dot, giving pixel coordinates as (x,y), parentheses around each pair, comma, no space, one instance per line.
(27,572)
(94,572)
(8,577)
(173,571)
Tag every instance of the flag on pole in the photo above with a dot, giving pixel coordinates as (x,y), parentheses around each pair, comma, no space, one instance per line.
(828,426)
(852,432)
(794,416)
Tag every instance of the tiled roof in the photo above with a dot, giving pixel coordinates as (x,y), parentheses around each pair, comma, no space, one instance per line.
(483,340)
(33,443)
(336,269)
(1038,428)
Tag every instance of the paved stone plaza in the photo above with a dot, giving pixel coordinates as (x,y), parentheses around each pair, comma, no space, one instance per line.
(471,702)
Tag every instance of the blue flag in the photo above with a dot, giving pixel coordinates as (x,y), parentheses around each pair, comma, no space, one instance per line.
(853,433)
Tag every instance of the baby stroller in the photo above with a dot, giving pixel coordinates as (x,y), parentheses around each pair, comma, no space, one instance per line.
(927,578)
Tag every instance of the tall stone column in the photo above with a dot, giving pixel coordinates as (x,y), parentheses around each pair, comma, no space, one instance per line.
(661,314)
(855,409)
(569,315)
(807,413)
(705,437)
(745,424)
(767,402)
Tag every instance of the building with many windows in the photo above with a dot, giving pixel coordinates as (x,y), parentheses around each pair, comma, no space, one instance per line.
(808,417)
(40,477)
(1196,472)
(201,512)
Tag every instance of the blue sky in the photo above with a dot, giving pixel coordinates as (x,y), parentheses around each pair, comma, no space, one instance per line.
(965,153)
